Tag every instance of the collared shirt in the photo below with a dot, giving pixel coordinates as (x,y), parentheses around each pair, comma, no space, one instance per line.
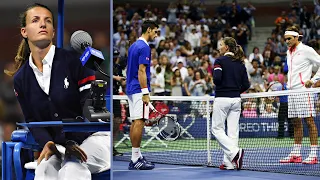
(138,53)
(300,63)
(44,77)
(144,40)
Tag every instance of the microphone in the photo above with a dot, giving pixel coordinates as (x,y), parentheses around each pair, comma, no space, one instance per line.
(95,107)
(91,58)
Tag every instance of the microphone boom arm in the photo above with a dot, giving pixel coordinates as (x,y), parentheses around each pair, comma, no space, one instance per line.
(96,65)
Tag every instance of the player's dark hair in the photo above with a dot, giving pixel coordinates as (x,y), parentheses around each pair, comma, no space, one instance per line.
(293,28)
(234,48)
(148,24)
(23,51)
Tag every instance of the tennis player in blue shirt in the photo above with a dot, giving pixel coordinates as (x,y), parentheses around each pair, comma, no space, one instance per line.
(138,88)
(51,84)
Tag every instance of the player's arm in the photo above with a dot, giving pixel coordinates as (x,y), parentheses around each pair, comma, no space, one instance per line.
(142,76)
(144,60)
(217,72)
(245,80)
(314,58)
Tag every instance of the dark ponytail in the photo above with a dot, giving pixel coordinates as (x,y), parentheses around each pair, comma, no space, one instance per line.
(234,48)
(239,54)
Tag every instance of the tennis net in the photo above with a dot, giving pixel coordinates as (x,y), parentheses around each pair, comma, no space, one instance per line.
(266,132)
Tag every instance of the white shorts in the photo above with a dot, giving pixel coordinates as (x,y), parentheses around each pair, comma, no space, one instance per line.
(138,110)
(301,105)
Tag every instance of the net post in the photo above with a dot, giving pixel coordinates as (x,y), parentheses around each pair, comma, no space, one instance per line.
(208,132)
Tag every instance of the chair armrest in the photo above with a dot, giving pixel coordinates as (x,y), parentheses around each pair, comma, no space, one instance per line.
(24,140)
(24,136)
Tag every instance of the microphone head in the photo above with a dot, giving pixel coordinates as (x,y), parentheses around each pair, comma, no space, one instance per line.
(80,40)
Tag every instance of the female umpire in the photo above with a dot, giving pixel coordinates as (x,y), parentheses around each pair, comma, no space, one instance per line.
(230,78)
(51,84)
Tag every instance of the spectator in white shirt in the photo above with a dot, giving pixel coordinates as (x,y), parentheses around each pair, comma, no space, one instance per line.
(158,84)
(186,28)
(193,38)
(183,70)
(256,55)
(174,60)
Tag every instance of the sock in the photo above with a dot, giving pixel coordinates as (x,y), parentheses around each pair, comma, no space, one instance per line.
(296,150)
(140,155)
(313,152)
(135,154)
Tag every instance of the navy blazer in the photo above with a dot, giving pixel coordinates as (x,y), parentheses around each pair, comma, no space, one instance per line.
(230,77)
(65,100)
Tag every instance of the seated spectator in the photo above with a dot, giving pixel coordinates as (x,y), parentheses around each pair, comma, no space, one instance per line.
(256,55)
(269,111)
(249,110)
(276,76)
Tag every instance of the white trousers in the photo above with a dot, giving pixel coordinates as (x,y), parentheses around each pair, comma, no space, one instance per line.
(227,109)
(97,148)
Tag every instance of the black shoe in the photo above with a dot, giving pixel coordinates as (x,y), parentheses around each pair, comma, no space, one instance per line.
(238,159)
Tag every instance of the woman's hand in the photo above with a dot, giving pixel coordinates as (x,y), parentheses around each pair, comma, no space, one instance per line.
(49,149)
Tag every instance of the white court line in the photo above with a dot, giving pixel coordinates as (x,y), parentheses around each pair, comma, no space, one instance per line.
(157,169)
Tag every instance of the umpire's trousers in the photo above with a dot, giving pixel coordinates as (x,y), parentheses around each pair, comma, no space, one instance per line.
(227,109)
(97,149)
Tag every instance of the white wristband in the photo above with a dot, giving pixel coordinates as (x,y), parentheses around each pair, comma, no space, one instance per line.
(145,91)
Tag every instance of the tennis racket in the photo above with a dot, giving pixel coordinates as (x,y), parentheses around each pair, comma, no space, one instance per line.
(169,128)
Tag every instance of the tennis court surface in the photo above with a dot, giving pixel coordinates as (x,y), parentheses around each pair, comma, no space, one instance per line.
(263,134)
(178,172)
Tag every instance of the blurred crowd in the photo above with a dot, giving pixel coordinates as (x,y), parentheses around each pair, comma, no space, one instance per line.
(188,41)
(187,44)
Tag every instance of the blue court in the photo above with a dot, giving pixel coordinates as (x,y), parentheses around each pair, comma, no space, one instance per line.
(256,159)
(178,172)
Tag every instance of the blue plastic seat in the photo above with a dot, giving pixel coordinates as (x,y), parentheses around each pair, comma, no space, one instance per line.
(12,162)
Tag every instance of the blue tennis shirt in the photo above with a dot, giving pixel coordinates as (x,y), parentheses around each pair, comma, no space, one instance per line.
(139,53)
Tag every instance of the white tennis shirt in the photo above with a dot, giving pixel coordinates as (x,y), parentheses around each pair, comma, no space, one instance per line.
(300,63)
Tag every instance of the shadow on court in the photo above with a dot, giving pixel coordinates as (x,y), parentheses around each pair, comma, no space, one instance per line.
(176,172)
